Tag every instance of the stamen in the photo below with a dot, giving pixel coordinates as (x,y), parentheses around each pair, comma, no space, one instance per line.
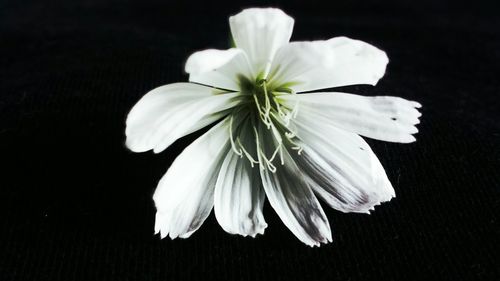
(290,135)
(263,116)
(266,97)
(262,155)
(281,113)
(272,113)
(282,160)
(257,144)
(276,133)
(271,167)
(300,151)
(295,146)
(275,152)
(247,154)
(231,138)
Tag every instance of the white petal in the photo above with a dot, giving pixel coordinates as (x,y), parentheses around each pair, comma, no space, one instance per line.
(219,68)
(208,60)
(169,112)
(340,61)
(384,118)
(239,197)
(184,196)
(260,33)
(340,167)
(293,200)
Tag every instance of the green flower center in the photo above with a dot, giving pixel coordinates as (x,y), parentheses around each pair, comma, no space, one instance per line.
(262,122)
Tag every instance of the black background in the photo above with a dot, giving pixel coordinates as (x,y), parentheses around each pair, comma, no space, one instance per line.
(75,204)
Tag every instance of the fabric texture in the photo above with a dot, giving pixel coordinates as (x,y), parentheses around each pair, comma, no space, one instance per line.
(76,204)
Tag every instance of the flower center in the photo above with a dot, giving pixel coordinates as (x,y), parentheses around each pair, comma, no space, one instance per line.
(260,128)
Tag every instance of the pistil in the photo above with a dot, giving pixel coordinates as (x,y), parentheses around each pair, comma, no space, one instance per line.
(274,116)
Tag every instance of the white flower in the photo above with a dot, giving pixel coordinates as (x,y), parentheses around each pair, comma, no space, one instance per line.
(271,141)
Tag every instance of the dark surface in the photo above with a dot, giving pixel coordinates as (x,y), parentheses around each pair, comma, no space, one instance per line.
(76,205)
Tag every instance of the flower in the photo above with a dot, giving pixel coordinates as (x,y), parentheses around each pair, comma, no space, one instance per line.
(271,141)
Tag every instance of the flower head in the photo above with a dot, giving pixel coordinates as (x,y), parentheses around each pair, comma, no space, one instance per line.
(271,140)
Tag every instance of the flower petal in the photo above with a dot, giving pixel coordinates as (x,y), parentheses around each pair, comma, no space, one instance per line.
(260,32)
(239,197)
(292,198)
(219,68)
(383,117)
(340,61)
(184,196)
(172,111)
(340,167)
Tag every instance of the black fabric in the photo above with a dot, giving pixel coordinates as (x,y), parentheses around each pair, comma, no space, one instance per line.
(75,204)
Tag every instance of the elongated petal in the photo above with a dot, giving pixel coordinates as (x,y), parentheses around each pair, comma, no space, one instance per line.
(219,68)
(173,111)
(239,197)
(340,167)
(340,61)
(184,196)
(260,33)
(293,200)
(384,118)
